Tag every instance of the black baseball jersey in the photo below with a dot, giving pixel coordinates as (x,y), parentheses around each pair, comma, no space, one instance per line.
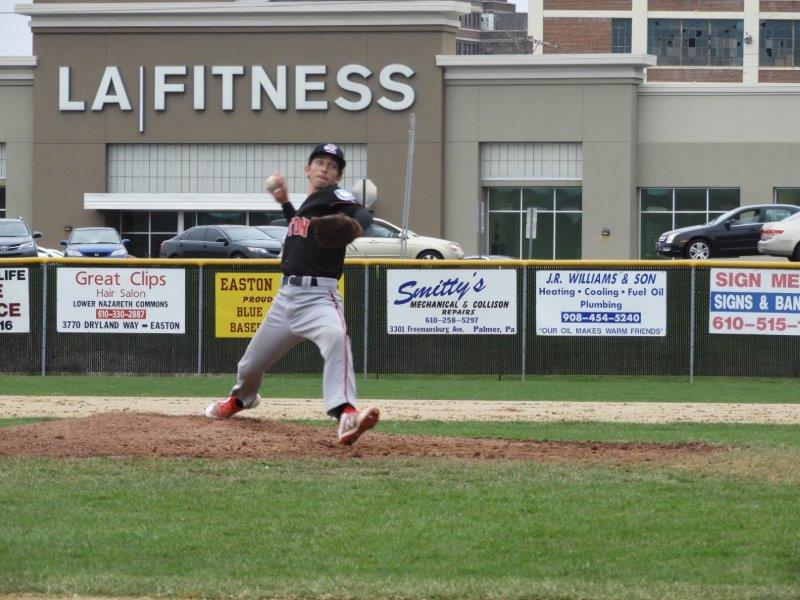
(302,255)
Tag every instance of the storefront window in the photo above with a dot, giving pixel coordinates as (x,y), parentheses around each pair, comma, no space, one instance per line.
(222,218)
(2,199)
(664,209)
(656,199)
(164,221)
(787,196)
(146,230)
(504,199)
(264,218)
(543,244)
(568,235)
(504,233)
(723,200)
(538,198)
(558,223)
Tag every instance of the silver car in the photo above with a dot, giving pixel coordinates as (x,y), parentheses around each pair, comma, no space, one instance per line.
(16,239)
(382,240)
(781,238)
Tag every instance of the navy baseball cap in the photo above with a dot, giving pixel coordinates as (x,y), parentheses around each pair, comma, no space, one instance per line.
(331,150)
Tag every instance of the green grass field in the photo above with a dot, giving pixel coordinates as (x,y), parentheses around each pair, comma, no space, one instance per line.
(439,387)
(719,526)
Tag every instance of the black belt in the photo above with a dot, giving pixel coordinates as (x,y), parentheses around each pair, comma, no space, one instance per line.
(297,280)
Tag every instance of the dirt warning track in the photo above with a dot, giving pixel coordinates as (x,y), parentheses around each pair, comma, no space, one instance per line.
(414,410)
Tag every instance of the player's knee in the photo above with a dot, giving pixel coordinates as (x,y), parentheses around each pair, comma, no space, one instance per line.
(330,338)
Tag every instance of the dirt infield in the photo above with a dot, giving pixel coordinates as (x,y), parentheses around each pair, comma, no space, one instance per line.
(167,436)
(175,427)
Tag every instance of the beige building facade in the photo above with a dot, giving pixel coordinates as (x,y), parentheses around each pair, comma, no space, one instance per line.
(154,117)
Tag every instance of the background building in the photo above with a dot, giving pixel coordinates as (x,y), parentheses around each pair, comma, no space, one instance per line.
(153,118)
(16,136)
(493,27)
(731,41)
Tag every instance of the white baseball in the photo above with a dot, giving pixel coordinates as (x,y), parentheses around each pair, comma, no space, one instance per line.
(272,183)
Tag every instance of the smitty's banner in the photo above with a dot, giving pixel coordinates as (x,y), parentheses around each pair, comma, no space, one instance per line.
(757,301)
(242,300)
(444,302)
(15,306)
(101,300)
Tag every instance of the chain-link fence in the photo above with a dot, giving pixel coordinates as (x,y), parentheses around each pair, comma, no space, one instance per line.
(687,347)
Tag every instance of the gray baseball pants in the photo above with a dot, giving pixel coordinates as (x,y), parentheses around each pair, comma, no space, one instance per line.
(301,312)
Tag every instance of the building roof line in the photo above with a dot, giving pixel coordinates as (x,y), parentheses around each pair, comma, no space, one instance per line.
(245,12)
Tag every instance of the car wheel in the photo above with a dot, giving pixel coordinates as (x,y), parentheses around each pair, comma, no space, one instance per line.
(173,256)
(795,257)
(237,255)
(430,255)
(698,250)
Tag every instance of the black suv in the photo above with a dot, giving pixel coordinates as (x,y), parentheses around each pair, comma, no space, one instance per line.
(221,241)
(735,233)
(16,239)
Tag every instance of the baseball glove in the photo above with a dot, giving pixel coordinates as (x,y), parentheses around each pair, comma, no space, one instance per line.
(336,230)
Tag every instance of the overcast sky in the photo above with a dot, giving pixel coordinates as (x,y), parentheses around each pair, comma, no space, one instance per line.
(15,35)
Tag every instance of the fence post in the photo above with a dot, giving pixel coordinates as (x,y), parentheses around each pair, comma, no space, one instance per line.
(524,321)
(366,319)
(692,326)
(44,319)
(200,320)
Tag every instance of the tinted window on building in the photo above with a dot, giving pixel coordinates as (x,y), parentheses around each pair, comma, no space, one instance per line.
(696,42)
(621,36)
(146,230)
(559,220)
(787,196)
(2,200)
(664,209)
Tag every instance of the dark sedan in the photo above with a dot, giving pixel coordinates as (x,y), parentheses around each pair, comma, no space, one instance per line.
(735,233)
(221,241)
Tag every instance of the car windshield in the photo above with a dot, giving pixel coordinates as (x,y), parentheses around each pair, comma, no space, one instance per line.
(385,229)
(724,217)
(13,229)
(94,236)
(245,233)
(276,233)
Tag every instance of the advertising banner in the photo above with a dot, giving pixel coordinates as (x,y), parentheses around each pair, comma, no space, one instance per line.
(242,300)
(15,306)
(119,300)
(601,303)
(757,301)
(435,301)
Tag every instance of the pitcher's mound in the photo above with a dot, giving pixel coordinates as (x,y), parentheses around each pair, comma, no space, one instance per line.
(153,435)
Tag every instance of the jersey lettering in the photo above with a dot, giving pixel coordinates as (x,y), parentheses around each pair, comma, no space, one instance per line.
(298,226)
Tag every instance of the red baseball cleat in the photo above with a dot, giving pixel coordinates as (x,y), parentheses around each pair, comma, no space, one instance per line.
(352,424)
(224,409)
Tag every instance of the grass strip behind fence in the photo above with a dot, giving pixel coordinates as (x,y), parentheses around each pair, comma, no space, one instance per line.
(432,387)
(394,528)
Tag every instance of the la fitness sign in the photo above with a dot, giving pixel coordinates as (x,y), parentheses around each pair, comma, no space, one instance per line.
(311,85)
